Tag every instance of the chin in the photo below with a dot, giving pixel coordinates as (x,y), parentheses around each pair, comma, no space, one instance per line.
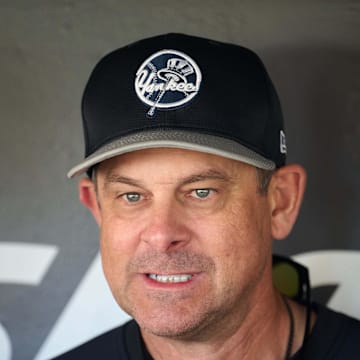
(180,325)
(175,330)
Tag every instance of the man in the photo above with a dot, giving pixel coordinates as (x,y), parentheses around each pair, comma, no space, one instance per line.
(185,156)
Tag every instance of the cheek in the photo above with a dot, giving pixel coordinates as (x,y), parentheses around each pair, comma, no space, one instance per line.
(117,246)
(116,235)
(251,219)
(242,240)
(243,225)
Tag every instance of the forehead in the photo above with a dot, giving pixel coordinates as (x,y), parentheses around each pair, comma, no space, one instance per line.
(170,162)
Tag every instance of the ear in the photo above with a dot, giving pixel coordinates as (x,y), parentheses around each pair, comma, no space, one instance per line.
(286,192)
(88,198)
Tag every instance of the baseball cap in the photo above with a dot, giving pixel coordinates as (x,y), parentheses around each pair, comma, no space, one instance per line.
(182,91)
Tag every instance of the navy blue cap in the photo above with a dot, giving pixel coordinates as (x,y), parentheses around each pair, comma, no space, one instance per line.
(182,91)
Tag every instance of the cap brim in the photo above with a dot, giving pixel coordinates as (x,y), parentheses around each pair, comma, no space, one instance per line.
(174,139)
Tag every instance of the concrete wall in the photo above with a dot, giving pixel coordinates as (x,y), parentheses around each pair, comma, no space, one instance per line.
(49,242)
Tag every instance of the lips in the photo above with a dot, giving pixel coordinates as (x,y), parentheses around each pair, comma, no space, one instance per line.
(174,278)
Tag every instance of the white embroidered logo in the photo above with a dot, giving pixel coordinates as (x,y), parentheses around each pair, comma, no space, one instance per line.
(167,79)
(283,148)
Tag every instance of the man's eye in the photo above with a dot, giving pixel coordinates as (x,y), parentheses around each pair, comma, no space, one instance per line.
(201,193)
(132,197)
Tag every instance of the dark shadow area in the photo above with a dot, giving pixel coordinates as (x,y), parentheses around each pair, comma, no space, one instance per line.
(320,93)
(323,294)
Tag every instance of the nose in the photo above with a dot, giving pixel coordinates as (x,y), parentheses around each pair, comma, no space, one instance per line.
(166,227)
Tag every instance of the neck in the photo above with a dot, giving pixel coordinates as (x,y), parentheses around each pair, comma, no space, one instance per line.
(261,332)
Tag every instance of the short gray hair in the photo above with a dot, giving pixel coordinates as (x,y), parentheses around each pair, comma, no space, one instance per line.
(264,178)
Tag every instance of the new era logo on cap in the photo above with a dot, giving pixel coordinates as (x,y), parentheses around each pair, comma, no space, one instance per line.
(182,91)
(283,148)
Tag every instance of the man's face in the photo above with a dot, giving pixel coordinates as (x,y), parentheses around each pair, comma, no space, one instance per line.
(185,239)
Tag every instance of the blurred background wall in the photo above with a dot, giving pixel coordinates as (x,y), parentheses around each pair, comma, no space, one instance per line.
(50,279)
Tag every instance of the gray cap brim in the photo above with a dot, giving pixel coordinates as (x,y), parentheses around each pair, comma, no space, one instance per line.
(173,139)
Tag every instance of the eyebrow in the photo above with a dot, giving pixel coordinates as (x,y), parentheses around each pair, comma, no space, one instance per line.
(112,178)
(210,174)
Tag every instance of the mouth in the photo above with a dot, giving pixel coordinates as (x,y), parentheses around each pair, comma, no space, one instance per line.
(174,278)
